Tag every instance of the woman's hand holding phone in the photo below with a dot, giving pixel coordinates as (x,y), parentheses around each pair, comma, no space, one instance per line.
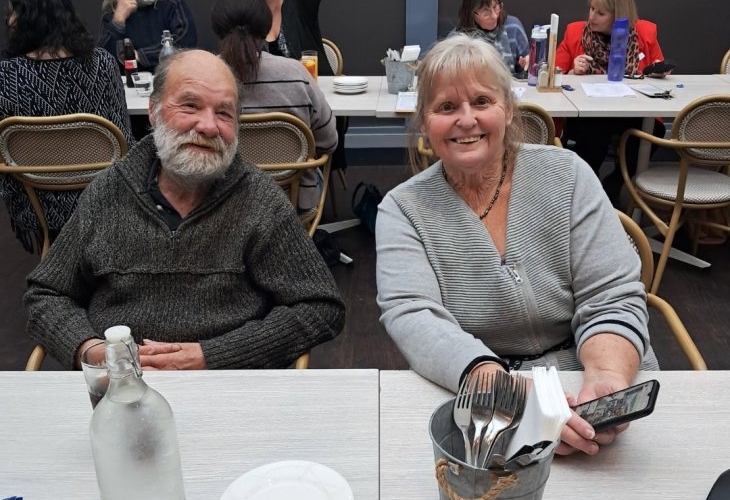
(578,434)
(608,415)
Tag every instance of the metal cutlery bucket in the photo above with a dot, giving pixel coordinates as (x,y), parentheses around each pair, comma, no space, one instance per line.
(399,75)
(460,481)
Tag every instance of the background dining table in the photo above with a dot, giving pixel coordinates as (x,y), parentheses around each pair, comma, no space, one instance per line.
(361,104)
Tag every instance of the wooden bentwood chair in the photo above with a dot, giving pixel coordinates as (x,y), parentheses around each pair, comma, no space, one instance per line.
(640,244)
(283,145)
(334,56)
(537,128)
(725,64)
(701,138)
(337,63)
(56,153)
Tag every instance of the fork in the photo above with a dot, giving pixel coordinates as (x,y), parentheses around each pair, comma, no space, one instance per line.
(508,408)
(481,411)
(462,412)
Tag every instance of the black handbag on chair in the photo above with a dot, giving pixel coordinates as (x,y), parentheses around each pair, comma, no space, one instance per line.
(366,208)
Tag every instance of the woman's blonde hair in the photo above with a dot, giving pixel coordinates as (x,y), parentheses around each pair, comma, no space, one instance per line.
(619,8)
(463,58)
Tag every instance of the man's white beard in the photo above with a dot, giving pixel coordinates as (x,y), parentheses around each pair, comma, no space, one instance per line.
(188,167)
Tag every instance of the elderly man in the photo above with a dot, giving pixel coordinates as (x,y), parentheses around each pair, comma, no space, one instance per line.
(201,254)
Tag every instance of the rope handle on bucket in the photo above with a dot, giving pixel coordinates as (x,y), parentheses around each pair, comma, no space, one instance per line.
(502,483)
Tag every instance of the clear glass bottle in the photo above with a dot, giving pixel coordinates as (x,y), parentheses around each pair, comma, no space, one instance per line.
(167,46)
(133,436)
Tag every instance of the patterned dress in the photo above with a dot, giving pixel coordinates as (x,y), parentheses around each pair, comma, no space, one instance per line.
(30,87)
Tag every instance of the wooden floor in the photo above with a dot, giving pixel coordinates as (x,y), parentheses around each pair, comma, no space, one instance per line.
(701,298)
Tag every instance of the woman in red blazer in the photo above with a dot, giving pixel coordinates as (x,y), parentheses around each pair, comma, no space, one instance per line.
(584,50)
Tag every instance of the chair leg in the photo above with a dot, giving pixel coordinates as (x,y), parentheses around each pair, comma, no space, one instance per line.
(666,247)
(333,198)
(343,178)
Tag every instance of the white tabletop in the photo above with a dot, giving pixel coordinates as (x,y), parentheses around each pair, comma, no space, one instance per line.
(363,104)
(555,103)
(674,454)
(692,87)
(724,78)
(228,422)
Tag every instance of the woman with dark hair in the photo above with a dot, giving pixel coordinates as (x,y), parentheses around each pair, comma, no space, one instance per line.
(52,68)
(488,19)
(143,21)
(270,82)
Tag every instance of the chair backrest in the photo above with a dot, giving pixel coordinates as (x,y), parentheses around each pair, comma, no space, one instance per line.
(537,125)
(704,120)
(283,145)
(640,244)
(725,64)
(334,56)
(56,153)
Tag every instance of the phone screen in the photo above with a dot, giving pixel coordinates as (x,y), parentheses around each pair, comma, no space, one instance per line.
(620,407)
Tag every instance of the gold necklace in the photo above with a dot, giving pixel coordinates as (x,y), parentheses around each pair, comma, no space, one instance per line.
(496,192)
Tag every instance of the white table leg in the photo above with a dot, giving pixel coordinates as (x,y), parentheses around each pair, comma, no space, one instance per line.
(656,247)
(333,227)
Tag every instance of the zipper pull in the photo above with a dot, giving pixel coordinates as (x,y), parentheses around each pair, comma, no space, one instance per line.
(172,240)
(512,270)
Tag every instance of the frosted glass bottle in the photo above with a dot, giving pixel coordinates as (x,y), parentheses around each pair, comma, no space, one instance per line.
(538,52)
(133,436)
(617,55)
(167,47)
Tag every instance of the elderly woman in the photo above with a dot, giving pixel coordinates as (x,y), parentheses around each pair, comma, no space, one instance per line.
(52,68)
(273,83)
(504,254)
(584,50)
(488,19)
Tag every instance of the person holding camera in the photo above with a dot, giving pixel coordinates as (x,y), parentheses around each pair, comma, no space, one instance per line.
(143,21)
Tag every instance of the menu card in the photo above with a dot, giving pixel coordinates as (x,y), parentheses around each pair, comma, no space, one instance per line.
(406,102)
(546,411)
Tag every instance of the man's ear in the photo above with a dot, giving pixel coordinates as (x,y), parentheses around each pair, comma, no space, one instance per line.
(150,112)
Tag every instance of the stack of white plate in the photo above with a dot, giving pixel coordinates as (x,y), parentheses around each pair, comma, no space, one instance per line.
(350,84)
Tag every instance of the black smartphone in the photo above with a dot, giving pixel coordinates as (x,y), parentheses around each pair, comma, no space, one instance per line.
(620,407)
(659,68)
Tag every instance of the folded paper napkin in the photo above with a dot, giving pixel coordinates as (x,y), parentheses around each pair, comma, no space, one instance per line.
(546,411)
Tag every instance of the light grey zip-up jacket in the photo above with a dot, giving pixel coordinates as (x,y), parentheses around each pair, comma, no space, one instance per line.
(448,297)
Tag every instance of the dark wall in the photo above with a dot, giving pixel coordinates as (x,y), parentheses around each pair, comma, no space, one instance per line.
(695,36)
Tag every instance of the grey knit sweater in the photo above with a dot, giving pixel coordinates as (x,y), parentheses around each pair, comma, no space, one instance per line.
(240,275)
(448,297)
